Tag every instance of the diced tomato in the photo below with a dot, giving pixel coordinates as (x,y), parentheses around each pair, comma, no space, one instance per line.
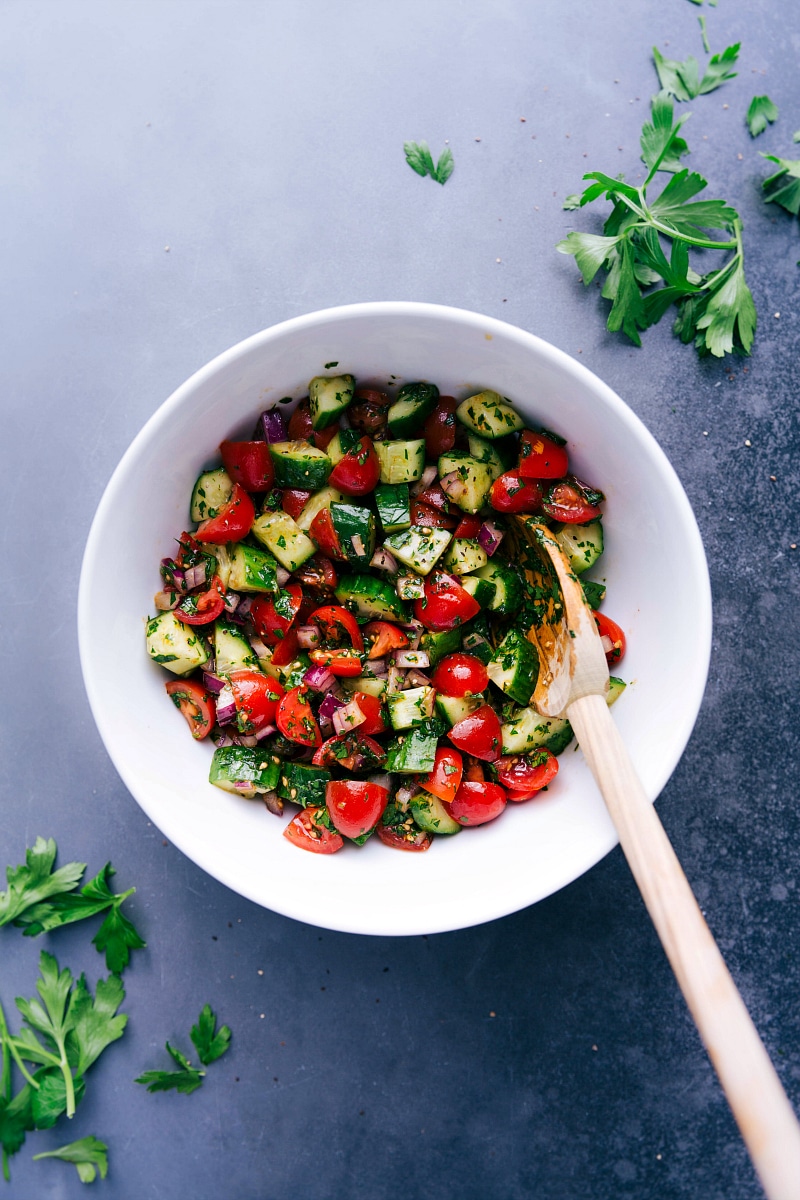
(248,463)
(479,734)
(540,457)
(611,630)
(477,803)
(445,604)
(445,778)
(468,527)
(326,537)
(306,831)
(295,719)
(371,708)
(203,607)
(286,650)
(355,806)
(440,428)
(294,501)
(358,472)
(318,573)
(232,523)
(400,838)
(300,426)
(339,627)
(372,396)
(272,616)
(431,518)
(256,697)
(524,774)
(196,704)
(352,751)
(567,501)
(434,497)
(384,637)
(512,494)
(322,438)
(460,675)
(343,662)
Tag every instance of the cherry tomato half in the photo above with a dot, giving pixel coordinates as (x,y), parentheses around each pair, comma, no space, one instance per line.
(196,704)
(326,537)
(295,719)
(512,494)
(445,778)
(318,574)
(352,751)
(468,527)
(566,502)
(256,697)
(434,497)
(300,427)
(272,616)
(232,523)
(460,675)
(477,803)
(355,806)
(358,472)
(440,428)
(540,457)
(306,831)
(248,463)
(371,708)
(294,500)
(339,627)
(203,607)
(342,662)
(479,734)
(286,650)
(446,604)
(384,637)
(525,774)
(431,518)
(398,837)
(611,630)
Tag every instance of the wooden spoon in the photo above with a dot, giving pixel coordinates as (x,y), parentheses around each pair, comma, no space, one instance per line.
(573,680)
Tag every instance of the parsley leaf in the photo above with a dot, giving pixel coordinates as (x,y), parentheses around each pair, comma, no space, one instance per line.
(682,79)
(788,194)
(760,113)
(209,1042)
(88,1155)
(419,158)
(715,310)
(186,1079)
(35,881)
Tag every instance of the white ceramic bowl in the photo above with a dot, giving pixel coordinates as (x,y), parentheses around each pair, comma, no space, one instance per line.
(658,590)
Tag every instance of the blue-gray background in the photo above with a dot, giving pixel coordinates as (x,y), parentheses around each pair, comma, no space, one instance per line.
(176,176)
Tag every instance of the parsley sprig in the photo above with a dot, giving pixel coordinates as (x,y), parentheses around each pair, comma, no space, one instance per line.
(89,1155)
(715,310)
(210,1043)
(683,80)
(419,158)
(788,175)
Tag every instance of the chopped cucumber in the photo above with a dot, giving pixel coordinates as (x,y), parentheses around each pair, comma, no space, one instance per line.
(410,587)
(322,499)
(483,590)
(365,683)
(401,461)
(431,815)
(224,563)
(211,493)
(582,544)
(413,752)
(499,456)
(410,707)
(342,443)
(372,598)
(329,396)
(393,506)
(415,402)
(251,569)
(176,646)
(284,537)
(355,529)
(508,587)
(616,687)
(489,415)
(436,645)
(475,643)
(299,465)
(514,667)
(232,651)
(528,730)
(471,480)
(419,548)
(464,555)
(244,770)
(454,708)
(302,784)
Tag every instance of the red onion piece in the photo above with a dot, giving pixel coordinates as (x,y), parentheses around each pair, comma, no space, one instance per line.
(260,649)
(425,481)
(395,681)
(166,601)
(375,668)
(283,576)
(490,536)
(453,485)
(417,679)
(213,683)
(404,794)
(319,678)
(415,630)
(329,706)
(412,658)
(195,577)
(274,803)
(266,732)
(175,574)
(273,426)
(348,717)
(226,706)
(382,560)
(308,636)
(232,601)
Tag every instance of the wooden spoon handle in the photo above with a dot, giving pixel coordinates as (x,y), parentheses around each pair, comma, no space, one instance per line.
(749,1080)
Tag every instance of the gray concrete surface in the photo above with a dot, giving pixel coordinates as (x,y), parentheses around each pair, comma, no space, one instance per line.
(176,176)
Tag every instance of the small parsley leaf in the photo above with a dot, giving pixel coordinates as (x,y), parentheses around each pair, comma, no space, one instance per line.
(760,113)
(788,194)
(210,1042)
(35,881)
(89,1155)
(419,158)
(186,1079)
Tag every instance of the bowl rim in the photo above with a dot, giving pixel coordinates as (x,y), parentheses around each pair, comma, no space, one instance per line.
(697,564)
